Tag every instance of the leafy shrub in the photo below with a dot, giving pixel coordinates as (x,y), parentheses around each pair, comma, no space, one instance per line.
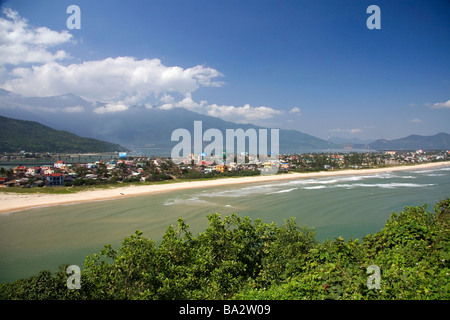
(236,258)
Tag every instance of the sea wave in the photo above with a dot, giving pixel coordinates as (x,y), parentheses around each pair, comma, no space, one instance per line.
(315,187)
(393,185)
(186,201)
(384,180)
(432,170)
(283,191)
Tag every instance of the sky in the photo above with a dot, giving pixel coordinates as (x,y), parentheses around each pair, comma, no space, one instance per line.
(312,66)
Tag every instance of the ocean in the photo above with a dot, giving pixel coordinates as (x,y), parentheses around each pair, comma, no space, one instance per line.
(350,206)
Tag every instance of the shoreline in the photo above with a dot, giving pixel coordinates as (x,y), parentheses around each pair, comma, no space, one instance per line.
(13,202)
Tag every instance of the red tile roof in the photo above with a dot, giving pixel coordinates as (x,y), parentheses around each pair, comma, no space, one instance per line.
(56,174)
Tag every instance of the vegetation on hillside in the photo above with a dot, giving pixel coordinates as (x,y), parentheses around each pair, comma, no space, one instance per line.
(236,258)
(17,135)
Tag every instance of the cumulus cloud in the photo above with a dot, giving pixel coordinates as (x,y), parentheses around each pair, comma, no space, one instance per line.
(38,72)
(117,82)
(441,105)
(244,114)
(111,107)
(113,79)
(20,43)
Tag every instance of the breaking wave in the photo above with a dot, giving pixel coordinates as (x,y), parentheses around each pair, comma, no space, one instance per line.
(384,180)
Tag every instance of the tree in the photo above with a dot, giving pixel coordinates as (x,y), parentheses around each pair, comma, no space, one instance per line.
(81,170)
(237,258)
(122,169)
(102,171)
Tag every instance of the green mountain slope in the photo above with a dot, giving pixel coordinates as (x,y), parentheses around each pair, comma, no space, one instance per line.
(17,135)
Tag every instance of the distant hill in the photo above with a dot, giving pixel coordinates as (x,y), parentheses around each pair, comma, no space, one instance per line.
(148,130)
(440,141)
(17,135)
(145,130)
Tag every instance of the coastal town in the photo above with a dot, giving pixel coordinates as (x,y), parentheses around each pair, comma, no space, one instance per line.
(121,168)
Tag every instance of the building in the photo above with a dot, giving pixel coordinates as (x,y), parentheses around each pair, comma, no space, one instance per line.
(55,179)
(46,170)
(34,170)
(20,169)
(221,168)
(59,164)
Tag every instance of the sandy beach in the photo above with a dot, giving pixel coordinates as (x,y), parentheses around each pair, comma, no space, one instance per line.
(11,202)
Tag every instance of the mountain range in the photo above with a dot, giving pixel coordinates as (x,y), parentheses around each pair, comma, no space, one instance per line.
(140,128)
(148,130)
(440,141)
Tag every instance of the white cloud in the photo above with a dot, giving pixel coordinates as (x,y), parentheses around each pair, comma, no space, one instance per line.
(416,120)
(244,114)
(346,130)
(167,98)
(20,43)
(204,76)
(113,79)
(188,103)
(441,105)
(111,107)
(295,110)
(74,109)
(167,106)
(117,82)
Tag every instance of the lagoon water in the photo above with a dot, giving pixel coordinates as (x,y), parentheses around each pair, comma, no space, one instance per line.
(348,206)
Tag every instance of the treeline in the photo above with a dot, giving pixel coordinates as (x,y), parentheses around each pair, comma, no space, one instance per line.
(192,174)
(236,258)
(155,177)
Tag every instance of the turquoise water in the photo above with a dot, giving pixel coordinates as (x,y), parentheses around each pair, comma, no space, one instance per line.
(348,206)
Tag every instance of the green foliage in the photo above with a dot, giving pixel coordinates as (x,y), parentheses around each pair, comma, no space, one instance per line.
(17,135)
(236,258)
(412,251)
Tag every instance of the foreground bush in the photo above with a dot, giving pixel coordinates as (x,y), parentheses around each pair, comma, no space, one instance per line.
(236,258)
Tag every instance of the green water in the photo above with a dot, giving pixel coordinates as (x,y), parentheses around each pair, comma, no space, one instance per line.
(348,206)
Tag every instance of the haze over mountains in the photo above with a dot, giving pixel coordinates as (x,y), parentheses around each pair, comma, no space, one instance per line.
(148,130)
(139,128)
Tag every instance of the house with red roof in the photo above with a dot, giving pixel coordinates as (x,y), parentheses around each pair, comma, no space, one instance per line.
(20,169)
(55,179)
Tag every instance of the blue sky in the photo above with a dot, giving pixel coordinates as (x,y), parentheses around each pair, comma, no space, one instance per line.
(312,66)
